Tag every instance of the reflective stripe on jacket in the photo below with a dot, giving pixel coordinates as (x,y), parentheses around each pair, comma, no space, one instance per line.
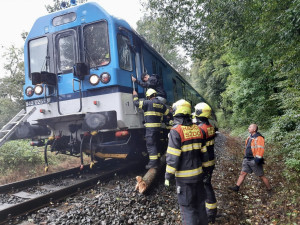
(257,145)
(153,111)
(208,149)
(184,156)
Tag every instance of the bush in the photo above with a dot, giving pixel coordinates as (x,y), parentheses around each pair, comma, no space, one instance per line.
(16,153)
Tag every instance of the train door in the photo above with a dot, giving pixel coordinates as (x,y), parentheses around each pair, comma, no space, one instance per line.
(69,99)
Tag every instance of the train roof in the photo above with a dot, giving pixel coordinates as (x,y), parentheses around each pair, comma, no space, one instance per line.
(84,13)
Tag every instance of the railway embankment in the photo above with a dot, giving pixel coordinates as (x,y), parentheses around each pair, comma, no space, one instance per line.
(116,202)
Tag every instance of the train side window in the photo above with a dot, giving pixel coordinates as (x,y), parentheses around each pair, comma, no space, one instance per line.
(38,54)
(96,43)
(125,57)
(154,67)
(183,91)
(66,50)
(175,93)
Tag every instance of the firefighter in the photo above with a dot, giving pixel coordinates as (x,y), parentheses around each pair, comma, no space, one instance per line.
(153,114)
(184,160)
(202,113)
(253,160)
(154,83)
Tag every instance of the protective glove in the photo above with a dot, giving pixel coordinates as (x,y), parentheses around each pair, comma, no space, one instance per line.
(167,183)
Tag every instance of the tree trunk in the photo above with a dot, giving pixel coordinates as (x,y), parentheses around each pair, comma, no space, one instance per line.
(143,183)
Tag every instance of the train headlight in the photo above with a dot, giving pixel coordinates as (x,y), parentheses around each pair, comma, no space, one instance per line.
(29,91)
(38,89)
(105,78)
(94,79)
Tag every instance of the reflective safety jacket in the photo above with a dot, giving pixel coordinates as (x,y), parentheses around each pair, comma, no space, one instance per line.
(208,149)
(153,111)
(257,145)
(184,156)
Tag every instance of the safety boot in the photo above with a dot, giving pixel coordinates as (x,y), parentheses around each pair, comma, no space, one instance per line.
(235,188)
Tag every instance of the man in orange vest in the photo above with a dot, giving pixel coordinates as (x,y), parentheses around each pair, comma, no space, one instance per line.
(253,159)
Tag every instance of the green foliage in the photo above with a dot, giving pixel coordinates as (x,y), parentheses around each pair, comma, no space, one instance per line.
(149,28)
(12,85)
(19,154)
(57,5)
(209,79)
(11,98)
(259,42)
(16,153)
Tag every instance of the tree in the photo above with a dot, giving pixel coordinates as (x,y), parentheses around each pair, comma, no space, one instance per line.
(259,41)
(59,4)
(159,38)
(11,92)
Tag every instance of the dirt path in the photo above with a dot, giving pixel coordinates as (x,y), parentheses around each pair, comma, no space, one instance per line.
(252,205)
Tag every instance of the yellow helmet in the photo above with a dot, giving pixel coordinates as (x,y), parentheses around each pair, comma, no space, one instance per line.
(182,108)
(150,92)
(202,110)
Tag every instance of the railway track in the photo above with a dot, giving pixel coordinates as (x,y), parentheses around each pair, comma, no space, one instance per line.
(30,195)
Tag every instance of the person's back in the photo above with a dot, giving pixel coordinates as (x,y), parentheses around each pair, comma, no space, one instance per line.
(184,161)
(202,113)
(153,115)
(191,140)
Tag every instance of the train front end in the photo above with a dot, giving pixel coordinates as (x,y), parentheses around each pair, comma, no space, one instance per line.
(78,66)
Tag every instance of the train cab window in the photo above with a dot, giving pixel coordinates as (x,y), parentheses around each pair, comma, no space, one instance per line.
(96,44)
(38,54)
(65,44)
(124,52)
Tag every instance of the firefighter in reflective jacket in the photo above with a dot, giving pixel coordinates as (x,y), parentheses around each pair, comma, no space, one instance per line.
(153,114)
(184,160)
(202,113)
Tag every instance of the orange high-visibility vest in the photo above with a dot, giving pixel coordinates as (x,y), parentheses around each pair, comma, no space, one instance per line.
(257,146)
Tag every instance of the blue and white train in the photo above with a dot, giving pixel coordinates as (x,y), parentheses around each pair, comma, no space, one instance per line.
(78,67)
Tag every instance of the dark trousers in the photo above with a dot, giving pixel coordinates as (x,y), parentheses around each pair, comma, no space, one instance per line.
(191,199)
(152,140)
(210,201)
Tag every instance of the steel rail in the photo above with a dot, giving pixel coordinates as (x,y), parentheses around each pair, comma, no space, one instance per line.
(9,213)
(26,183)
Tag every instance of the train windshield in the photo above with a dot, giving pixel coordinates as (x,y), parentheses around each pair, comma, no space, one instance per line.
(125,57)
(38,54)
(96,44)
(66,50)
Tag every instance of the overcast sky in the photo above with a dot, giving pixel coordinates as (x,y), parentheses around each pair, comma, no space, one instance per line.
(17,16)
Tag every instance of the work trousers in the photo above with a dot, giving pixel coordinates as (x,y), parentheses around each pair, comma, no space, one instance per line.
(191,199)
(152,140)
(210,201)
